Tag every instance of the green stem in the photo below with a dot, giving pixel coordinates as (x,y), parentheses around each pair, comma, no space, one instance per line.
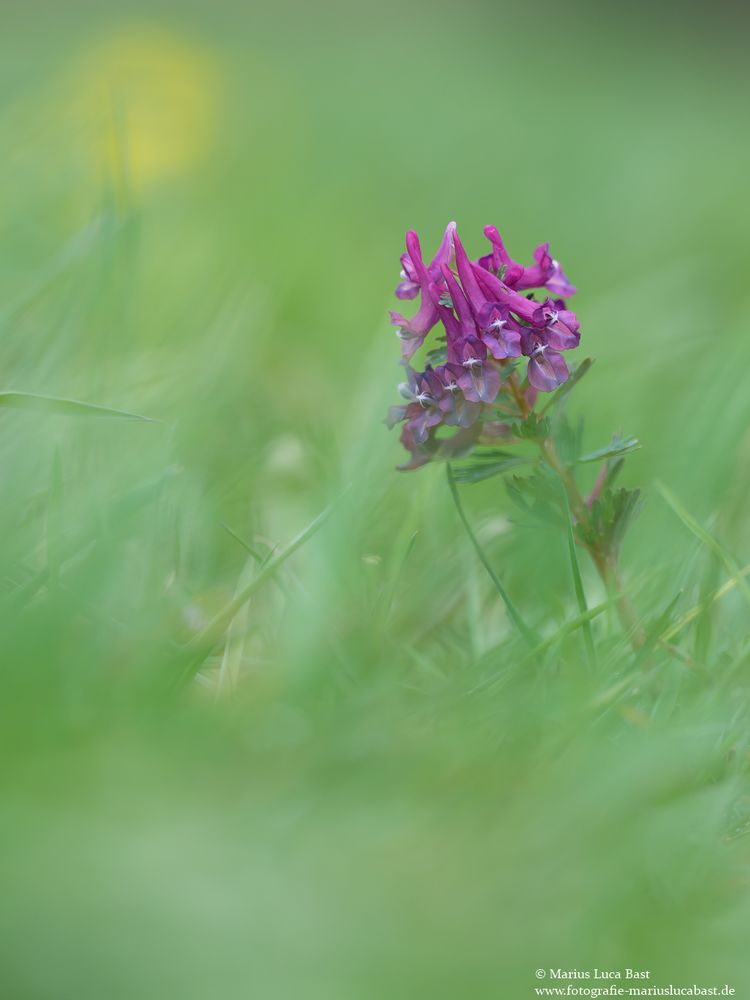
(606,563)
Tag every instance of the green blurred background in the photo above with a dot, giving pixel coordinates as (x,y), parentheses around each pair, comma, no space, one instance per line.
(202,209)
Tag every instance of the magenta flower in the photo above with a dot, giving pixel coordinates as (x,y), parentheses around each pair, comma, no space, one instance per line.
(500,262)
(409,286)
(544,273)
(424,279)
(486,322)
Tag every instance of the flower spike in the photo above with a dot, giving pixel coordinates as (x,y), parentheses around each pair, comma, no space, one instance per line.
(488,319)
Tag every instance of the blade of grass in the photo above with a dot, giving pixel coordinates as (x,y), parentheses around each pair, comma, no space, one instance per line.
(234,643)
(588,637)
(695,612)
(203,642)
(527,634)
(65,407)
(399,554)
(261,560)
(606,698)
(653,634)
(575,623)
(389,591)
(707,539)
(80,246)
(710,578)
(82,541)
(241,541)
(54,521)
(566,629)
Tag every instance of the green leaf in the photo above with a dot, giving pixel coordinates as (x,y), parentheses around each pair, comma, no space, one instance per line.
(493,462)
(531,428)
(485,453)
(613,471)
(568,438)
(538,496)
(617,447)
(65,407)
(610,516)
(478,473)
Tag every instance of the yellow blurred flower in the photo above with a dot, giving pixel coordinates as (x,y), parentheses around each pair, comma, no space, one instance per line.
(148,102)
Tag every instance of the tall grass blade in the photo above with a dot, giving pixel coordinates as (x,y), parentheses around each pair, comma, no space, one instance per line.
(575,569)
(724,557)
(65,407)
(528,635)
(202,643)
(695,612)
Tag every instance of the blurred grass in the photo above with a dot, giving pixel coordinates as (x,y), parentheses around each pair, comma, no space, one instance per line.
(391,800)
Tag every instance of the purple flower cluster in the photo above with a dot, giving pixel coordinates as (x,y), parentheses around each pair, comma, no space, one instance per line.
(486,320)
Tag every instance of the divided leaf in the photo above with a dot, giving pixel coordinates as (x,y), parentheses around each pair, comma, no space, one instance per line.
(488,462)
(532,428)
(617,447)
(538,496)
(568,438)
(611,514)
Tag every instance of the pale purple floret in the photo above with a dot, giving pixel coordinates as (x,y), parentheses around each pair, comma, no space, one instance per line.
(561,324)
(547,368)
(558,284)
(554,329)
(479,381)
(458,410)
(500,333)
(425,392)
